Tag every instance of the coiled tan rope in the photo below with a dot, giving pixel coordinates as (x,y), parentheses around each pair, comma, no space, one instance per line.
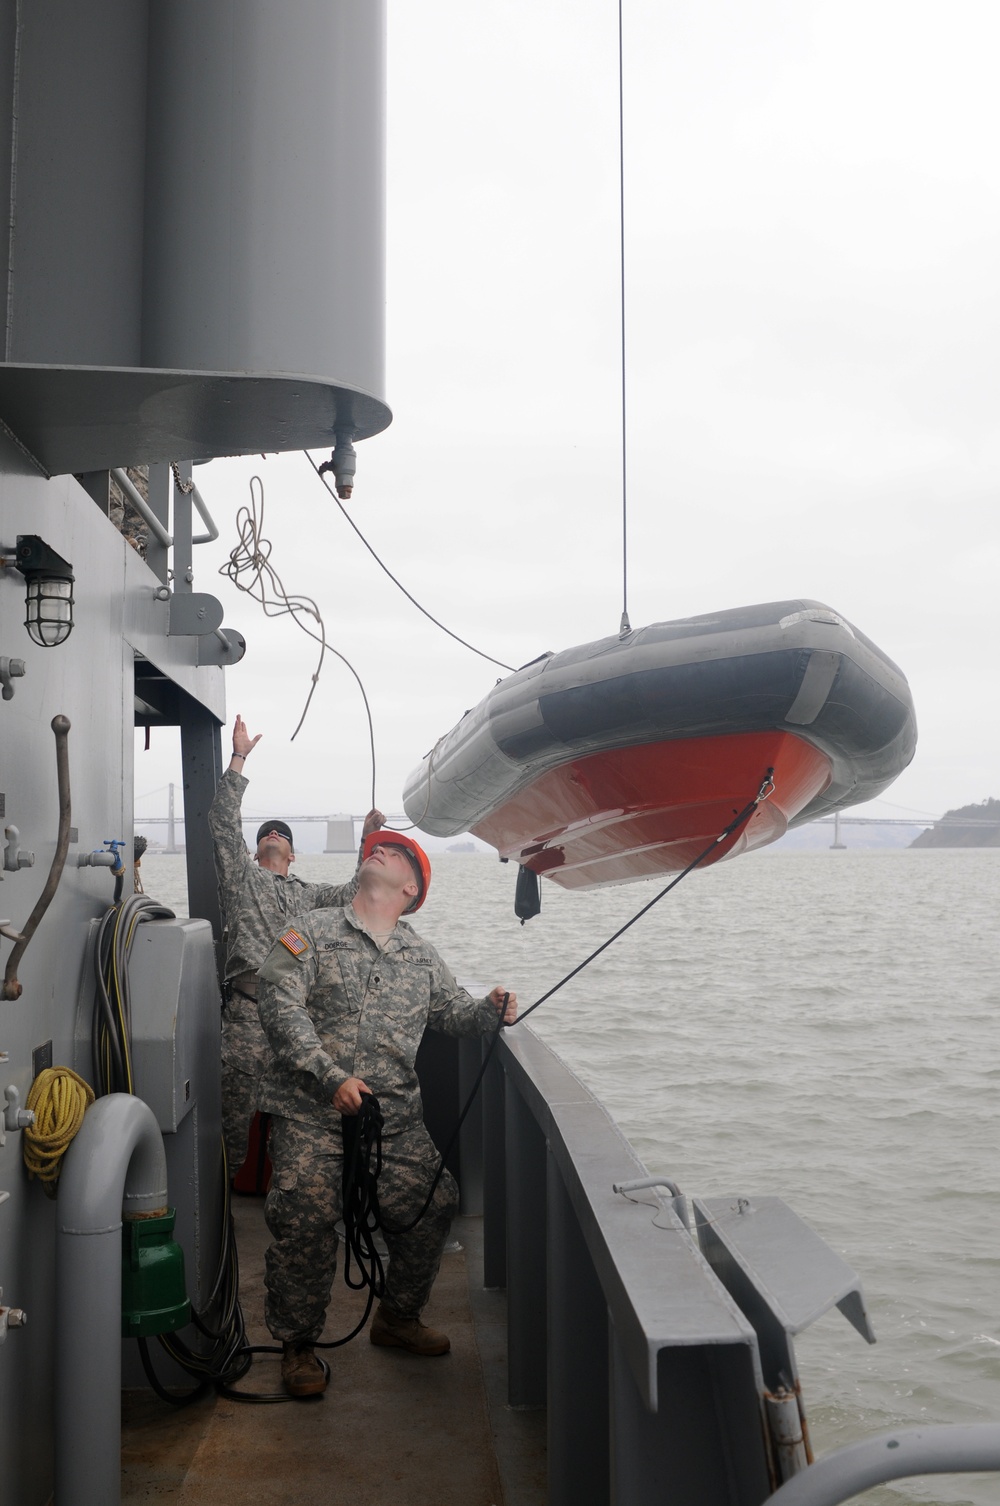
(60,1099)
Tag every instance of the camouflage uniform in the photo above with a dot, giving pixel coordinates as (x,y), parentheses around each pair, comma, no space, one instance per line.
(334,1006)
(255,904)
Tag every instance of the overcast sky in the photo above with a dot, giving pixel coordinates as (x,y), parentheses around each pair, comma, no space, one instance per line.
(812,255)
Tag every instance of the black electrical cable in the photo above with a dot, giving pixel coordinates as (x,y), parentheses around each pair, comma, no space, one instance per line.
(170,1397)
(228,1356)
(112,1017)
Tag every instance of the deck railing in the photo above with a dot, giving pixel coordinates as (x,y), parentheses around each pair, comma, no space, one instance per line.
(649,1370)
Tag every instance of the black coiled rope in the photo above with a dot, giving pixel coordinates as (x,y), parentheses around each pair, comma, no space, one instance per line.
(362,1135)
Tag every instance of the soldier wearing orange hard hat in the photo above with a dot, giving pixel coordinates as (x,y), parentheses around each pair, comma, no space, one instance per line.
(345,997)
(415,855)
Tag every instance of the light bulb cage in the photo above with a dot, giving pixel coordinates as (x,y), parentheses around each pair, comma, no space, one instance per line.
(48,601)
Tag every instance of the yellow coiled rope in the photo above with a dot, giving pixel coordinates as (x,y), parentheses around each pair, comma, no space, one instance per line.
(60,1099)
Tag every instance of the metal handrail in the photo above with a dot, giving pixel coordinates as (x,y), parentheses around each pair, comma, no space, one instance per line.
(609,1322)
(143,508)
(147,514)
(957,1449)
(206,518)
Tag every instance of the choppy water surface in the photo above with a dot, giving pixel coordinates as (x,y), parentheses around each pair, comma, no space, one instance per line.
(817,1025)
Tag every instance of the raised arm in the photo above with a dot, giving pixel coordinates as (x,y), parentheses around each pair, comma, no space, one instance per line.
(224,816)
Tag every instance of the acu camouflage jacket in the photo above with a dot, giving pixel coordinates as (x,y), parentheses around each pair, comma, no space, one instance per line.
(333,1006)
(256,904)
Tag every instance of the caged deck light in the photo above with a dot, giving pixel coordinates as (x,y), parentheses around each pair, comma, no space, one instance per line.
(49,599)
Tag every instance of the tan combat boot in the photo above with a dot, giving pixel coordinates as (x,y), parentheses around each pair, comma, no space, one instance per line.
(393,1332)
(302,1374)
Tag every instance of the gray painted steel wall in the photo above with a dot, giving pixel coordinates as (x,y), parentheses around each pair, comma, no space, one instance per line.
(90,680)
(195,255)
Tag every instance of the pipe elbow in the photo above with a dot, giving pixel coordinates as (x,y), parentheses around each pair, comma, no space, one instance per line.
(116,1162)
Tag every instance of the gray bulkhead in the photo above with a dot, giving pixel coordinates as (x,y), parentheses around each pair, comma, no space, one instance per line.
(90,679)
(192,263)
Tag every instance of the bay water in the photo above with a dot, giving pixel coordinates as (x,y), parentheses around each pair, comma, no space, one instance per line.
(816,1025)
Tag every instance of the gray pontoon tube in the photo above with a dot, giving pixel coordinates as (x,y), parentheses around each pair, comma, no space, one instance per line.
(115,1162)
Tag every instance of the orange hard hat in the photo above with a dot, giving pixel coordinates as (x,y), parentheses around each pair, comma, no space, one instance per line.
(418,860)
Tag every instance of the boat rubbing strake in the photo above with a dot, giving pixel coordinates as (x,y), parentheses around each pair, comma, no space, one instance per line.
(624,758)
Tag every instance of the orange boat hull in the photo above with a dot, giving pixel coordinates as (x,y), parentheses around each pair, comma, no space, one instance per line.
(637,812)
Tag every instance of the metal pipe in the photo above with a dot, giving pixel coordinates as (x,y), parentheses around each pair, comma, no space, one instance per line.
(678,1201)
(115,1163)
(228,647)
(143,508)
(892,1456)
(11,986)
(206,518)
(784,1422)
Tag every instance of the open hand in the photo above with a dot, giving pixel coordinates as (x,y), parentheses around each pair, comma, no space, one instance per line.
(243,743)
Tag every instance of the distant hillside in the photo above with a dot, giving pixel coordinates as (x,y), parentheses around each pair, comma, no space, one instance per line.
(969,826)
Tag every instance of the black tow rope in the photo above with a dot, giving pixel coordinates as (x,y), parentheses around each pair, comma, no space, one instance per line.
(739,819)
(362,1134)
(765,789)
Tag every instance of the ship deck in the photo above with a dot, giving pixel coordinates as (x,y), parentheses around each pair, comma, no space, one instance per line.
(391,1428)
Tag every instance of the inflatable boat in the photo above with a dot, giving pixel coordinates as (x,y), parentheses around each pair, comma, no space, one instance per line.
(623,759)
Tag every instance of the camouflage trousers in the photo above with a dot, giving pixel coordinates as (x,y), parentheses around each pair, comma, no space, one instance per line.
(304,1204)
(245,1054)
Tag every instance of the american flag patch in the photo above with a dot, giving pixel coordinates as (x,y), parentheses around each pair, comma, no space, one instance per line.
(294,942)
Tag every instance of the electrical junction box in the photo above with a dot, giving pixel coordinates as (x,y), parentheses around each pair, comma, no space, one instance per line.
(176,1065)
(176,1016)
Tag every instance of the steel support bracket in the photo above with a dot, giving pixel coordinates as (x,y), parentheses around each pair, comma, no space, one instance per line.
(779,1272)
(192,614)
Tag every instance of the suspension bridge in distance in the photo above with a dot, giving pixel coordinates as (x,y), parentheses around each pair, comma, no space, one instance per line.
(343,831)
